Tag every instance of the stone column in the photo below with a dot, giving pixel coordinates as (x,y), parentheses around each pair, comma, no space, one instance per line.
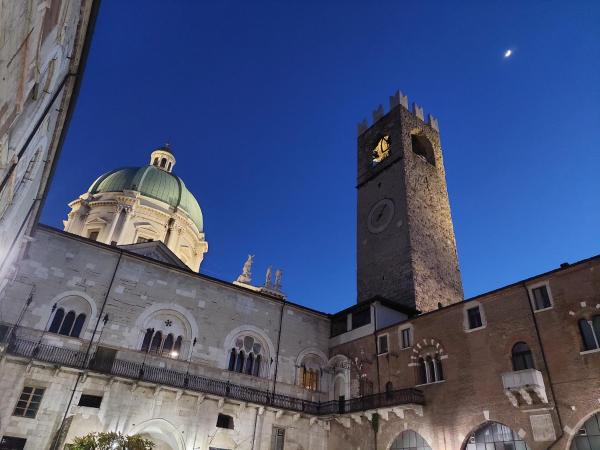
(113,225)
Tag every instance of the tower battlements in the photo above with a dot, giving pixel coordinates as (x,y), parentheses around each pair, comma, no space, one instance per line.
(396,100)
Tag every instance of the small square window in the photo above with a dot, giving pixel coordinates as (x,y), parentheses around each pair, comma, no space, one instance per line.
(29,402)
(474,315)
(406,338)
(278,438)
(12,443)
(541,297)
(382,344)
(225,421)
(94,235)
(91,401)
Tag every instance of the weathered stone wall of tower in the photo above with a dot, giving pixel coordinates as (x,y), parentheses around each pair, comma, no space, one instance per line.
(410,257)
(436,274)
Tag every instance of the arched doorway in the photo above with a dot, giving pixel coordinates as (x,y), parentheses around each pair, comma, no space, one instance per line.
(588,436)
(496,436)
(410,440)
(162,433)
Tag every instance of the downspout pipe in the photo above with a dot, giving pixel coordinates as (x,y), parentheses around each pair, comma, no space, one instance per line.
(278,348)
(87,353)
(539,339)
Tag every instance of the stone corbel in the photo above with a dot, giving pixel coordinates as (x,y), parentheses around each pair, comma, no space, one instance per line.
(278,414)
(295,417)
(523,392)
(261,410)
(178,394)
(345,421)
(312,420)
(512,398)
(541,393)
(356,418)
(399,412)
(220,404)
(383,413)
(157,390)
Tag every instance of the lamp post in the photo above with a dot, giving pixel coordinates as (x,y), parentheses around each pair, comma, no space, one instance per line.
(141,373)
(187,372)
(37,347)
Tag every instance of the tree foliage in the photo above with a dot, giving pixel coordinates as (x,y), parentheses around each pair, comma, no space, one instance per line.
(111,441)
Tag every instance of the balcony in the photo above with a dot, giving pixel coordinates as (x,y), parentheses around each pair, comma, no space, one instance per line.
(185,381)
(524,387)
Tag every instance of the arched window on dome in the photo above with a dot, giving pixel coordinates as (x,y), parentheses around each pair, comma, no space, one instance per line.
(163,163)
(155,162)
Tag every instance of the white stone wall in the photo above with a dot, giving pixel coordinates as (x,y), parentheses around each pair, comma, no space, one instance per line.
(40,43)
(175,420)
(59,267)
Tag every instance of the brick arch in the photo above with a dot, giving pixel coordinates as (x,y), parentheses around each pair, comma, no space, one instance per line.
(465,443)
(572,432)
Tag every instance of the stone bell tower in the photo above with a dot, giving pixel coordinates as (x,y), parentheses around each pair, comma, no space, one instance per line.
(406,251)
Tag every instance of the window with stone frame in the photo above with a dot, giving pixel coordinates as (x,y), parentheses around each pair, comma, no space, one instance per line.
(278,438)
(541,297)
(29,402)
(70,317)
(522,357)
(160,343)
(12,443)
(93,235)
(382,344)
(406,337)
(474,317)
(429,367)
(590,333)
(246,356)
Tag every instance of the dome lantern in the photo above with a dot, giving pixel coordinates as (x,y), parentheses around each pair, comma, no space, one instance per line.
(163,158)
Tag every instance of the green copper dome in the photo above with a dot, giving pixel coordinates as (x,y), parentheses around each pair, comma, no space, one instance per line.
(151,182)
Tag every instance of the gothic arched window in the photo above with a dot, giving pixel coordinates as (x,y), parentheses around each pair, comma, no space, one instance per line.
(156,343)
(521,357)
(439,371)
(421,372)
(177,346)
(246,356)
(232,358)
(70,324)
(65,328)
(239,365)
(78,326)
(590,333)
(147,339)
(57,320)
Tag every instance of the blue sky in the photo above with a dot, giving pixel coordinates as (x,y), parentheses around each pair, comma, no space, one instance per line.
(260,101)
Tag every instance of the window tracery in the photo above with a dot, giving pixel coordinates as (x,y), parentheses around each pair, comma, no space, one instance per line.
(247,356)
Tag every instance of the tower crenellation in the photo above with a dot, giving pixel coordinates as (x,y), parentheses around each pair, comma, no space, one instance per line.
(406,250)
(395,100)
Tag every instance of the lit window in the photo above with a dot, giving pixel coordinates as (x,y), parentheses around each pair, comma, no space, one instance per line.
(155,342)
(382,344)
(541,297)
(406,337)
(590,333)
(310,379)
(29,402)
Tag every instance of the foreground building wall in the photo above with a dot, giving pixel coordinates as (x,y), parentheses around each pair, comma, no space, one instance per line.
(42,52)
(545,405)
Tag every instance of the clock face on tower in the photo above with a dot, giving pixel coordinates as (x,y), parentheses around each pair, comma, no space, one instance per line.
(380,216)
